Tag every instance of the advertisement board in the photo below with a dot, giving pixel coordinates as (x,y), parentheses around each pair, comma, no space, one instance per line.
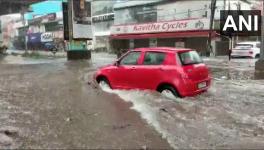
(81,17)
(34,38)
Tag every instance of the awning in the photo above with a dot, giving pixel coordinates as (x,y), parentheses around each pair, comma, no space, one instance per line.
(185,34)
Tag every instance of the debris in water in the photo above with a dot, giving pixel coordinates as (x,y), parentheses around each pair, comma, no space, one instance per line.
(9,131)
(115,127)
(164,110)
(68,119)
(92,84)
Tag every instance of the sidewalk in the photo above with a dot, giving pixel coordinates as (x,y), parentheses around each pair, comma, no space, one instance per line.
(42,53)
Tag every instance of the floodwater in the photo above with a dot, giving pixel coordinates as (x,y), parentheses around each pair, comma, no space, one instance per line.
(229,115)
(50,105)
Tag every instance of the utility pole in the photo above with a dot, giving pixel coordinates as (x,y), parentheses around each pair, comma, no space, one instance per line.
(209,45)
(260,63)
(70,23)
(23,11)
(262,34)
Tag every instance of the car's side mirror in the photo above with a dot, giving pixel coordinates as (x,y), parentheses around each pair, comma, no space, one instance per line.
(117,63)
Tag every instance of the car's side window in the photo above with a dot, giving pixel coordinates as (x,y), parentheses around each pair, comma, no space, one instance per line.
(130,59)
(154,58)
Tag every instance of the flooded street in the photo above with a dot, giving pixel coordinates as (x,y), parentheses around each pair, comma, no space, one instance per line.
(223,117)
(53,104)
(50,105)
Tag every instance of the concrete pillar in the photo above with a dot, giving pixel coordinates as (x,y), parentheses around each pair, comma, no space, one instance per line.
(259,72)
(131,44)
(213,43)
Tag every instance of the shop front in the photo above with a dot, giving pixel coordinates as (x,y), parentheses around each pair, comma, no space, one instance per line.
(101,28)
(191,33)
(53,38)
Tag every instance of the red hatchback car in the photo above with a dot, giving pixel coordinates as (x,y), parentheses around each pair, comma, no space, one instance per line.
(178,71)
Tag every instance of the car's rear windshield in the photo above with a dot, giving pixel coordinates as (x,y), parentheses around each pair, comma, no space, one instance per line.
(190,57)
(243,46)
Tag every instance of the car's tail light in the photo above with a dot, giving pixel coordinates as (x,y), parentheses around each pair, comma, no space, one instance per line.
(250,52)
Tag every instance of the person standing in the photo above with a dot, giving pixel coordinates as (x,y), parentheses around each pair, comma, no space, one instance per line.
(229,54)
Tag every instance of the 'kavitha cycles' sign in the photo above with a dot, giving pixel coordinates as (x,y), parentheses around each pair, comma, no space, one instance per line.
(170,26)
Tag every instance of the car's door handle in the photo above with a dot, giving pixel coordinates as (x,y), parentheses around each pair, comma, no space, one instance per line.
(133,68)
(161,69)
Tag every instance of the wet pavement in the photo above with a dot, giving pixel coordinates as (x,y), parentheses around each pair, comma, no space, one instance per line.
(53,104)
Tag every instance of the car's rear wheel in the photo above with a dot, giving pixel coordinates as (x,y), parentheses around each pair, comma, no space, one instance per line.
(257,56)
(104,83)
(168,91)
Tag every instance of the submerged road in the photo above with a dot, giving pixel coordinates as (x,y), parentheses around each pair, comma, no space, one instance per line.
(50,105)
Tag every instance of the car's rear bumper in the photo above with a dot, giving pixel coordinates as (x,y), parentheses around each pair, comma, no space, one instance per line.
(244,55)
(191,88)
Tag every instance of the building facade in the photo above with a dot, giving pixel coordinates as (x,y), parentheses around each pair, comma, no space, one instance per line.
(184,23)
(43,26)
(14,6)
(8,29)
(102,20)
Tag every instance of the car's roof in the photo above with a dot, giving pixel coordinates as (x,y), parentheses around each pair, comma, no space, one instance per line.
(163,49)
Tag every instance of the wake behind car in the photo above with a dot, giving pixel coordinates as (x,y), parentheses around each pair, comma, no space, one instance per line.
(246,49)
(180,72)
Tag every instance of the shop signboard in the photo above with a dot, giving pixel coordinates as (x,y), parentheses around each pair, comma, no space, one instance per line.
(43,19)
(168,26)
(34,37)
(47,37)
(49,17)
(102,18)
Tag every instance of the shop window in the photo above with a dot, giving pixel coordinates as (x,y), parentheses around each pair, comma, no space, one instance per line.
(136,15)
(102,26)
(182,10)
(102,7)
(53,26)
(154,58)
(101,43)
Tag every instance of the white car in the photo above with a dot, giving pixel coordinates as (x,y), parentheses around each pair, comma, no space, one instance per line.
(246,49)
